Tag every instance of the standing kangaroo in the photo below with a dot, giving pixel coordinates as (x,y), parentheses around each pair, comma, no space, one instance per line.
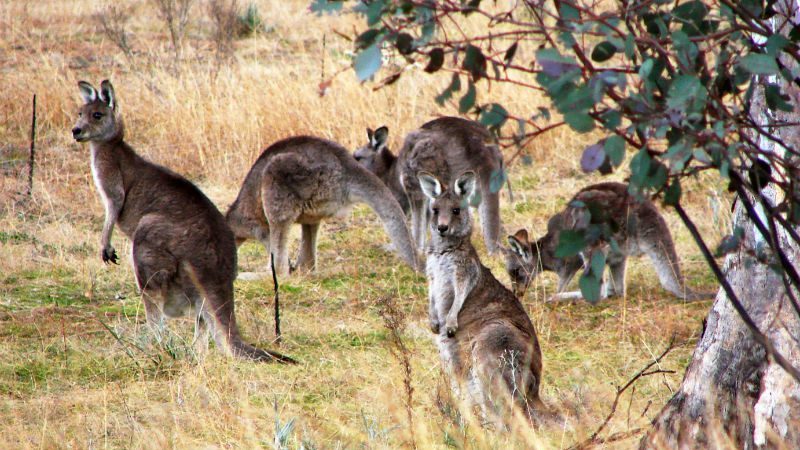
(488,342)
(640,229)
(444,146)
(183,253)
(305,180)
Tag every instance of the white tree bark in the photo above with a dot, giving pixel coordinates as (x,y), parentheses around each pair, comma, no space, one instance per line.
(733,395)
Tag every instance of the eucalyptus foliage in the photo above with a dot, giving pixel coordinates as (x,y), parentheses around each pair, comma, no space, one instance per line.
(669,82)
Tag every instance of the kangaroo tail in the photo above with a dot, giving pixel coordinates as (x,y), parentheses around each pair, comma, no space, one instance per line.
(217,311)
(365,186)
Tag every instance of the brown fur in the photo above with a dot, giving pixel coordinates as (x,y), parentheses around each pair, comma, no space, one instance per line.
(183,253)
(444,146)
(305,180)
(640,229)
(488,345)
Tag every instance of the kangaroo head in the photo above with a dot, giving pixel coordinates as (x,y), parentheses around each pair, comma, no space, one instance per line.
(522,261)
(369,155)
(449,207)
(97,117)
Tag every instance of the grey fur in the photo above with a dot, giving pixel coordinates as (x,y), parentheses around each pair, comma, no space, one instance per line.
(306,180)
(183,253)
(488,344)
(443,146)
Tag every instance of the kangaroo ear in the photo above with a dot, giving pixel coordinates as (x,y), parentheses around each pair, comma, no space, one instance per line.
(88,92)
(380,136)
(430,185)
(465,184)
(519,248)
(107,94)
(369,136)
(522,236)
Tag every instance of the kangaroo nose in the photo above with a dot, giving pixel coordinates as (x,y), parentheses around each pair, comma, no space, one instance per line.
(442,228)
(76,131)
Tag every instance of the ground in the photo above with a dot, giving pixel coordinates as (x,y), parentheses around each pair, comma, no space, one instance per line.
(77,365)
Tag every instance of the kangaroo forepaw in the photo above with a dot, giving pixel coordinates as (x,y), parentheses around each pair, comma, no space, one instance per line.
(109,255)
(451,327)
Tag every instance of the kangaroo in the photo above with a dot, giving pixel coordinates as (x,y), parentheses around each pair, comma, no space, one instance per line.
(488,341)
(183,253)
(305,180)
(640,229)
(444,146)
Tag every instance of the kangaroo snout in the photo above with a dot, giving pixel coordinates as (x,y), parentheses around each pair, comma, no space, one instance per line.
(442,228)
(76,132)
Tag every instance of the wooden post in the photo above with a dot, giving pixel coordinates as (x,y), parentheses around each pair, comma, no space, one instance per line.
(32,159)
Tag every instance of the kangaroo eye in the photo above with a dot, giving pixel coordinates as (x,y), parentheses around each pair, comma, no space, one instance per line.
(456,211)
(80,114)
(436,211)
(97,115)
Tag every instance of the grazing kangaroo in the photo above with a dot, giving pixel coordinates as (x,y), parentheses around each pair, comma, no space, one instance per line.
(305,180)
(444,146)
(640,229)
(488,342)
(183,253)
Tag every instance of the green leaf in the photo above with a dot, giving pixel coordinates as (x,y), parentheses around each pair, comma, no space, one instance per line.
(368,62)
(454,86)
(590,288)
(475,62)
(776,43)
(686,93)
(603,51)
(776,100)
(510,52)
(579,121)
(759,64)
(694,11)
(640,168)
(436,60)
(611,119)
(496,180)
(367,38)
(326,6)
(404,43)
(615,149)
(630,46)
(494,116)
(570,243)
(579,99)
(598,264)
(468,100)
(568,12)
(672,196)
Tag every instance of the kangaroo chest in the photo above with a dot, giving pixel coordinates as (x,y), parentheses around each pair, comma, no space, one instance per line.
(103,175)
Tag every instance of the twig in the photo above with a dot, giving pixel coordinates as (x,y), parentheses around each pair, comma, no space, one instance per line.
(277,302)
(393,319)
(32,159)
(122,343)
(594,439)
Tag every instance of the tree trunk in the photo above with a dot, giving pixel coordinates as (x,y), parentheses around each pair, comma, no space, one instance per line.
(733,395)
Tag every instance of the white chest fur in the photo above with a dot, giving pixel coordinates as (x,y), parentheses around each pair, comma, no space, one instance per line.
(97,176)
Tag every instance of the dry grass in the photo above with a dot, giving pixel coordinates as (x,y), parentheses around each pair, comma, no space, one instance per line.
(66,381)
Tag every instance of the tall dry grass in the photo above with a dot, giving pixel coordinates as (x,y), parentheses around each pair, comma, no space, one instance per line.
(65,380)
